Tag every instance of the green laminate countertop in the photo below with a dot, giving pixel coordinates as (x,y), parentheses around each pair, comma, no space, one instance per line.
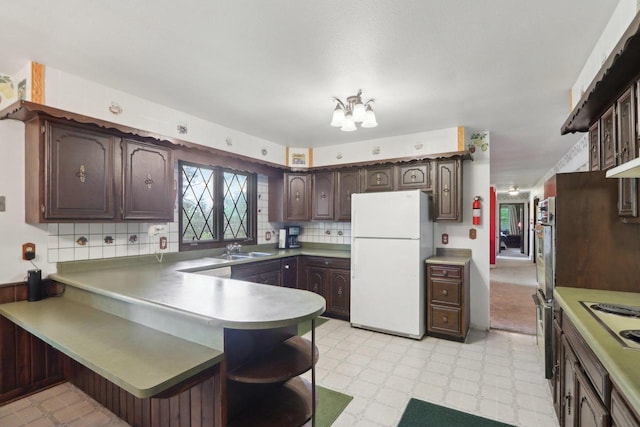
(139,359)
(621,364)
(222,302)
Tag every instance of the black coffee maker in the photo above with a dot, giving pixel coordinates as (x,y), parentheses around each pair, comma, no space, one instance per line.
(289,237)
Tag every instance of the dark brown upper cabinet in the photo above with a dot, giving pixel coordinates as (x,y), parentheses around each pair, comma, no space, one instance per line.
(323,190)
(626,132)
(77,180)
(378,179)
(148,182)
(78,174)
(608,138)
(594,147)
(297,197)
(348,184)
(414,176)
(447,194)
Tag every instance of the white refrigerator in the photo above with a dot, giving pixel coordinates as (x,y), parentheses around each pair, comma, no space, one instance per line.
(391,237)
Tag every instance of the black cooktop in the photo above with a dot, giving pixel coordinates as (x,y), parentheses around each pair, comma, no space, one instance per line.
(622,310)
(631,334)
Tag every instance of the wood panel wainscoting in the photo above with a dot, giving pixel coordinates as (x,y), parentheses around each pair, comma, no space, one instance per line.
(29,365)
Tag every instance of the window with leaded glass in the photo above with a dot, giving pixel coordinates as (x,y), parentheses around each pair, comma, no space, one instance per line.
(217,206)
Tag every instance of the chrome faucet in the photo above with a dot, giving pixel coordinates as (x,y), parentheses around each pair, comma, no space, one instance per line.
(234,247)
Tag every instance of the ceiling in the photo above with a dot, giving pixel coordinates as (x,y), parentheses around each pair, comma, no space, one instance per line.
(271,68)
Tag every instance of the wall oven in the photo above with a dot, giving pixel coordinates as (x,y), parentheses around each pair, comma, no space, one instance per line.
(545,274)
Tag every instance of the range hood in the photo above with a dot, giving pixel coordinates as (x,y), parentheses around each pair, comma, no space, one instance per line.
(630,169)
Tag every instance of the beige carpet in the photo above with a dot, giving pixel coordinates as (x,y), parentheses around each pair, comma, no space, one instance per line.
(512,284)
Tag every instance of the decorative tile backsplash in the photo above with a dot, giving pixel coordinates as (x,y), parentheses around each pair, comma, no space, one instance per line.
(82,241)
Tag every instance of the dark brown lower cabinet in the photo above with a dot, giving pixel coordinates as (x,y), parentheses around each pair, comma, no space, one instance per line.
(289,272)
(331,278)
(590,411)
(264,272)
(586,388)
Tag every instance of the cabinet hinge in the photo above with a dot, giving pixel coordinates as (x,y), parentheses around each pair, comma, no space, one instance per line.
(42,129)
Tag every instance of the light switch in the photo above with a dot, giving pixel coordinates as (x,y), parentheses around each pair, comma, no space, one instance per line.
(3,206)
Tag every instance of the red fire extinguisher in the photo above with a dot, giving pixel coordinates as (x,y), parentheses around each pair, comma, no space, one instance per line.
(476,210)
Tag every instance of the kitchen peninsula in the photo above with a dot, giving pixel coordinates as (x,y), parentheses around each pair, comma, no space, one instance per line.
(155,341)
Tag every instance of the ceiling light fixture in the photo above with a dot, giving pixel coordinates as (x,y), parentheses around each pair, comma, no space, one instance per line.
(347,114)
(513,191)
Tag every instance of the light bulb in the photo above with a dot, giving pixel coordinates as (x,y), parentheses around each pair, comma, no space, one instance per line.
(370,118)
(338,116)
(358,111)
(348,125)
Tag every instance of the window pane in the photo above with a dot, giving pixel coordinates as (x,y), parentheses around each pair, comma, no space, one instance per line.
(236,206)
(198,203)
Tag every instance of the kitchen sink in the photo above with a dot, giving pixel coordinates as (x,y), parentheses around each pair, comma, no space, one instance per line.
(243,255)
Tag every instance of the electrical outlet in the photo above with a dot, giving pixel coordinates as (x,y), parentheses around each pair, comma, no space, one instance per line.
(163,243)
(28,251)
(445,239)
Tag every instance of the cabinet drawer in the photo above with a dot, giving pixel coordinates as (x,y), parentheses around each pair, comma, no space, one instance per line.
(444,319)
(339,263)
(443,291)
(448,271)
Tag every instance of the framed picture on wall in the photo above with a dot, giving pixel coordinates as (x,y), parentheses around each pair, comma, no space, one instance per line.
(299,157)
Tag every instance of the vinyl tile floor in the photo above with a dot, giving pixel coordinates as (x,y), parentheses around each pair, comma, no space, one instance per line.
(495,374)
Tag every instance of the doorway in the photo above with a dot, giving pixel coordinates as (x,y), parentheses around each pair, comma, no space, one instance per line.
(513,276)
(513,238)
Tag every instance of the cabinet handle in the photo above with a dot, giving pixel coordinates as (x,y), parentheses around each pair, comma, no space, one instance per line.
(378,179)
(567,399)
(82,174)
(148,181)
(413,177)
(297,195)
(339,290)
(286,267)
(445,292)
(446,189)
(323,196)
(445,319)
(445,274)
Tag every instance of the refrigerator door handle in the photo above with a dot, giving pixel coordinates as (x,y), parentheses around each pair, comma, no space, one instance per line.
(353,259)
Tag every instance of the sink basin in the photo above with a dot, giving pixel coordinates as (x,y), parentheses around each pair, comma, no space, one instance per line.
(259,254)
(233,257)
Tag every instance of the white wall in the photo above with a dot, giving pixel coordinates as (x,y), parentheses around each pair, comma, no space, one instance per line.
(13,229)
(410,145)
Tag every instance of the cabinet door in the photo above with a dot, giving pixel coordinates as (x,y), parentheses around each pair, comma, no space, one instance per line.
(410,177)
(556,379)
(568,386)
(448,191)
(271,278)
(378,179)
(627,187)
(590,410)
(316,279)
(323,196)
(297,197)
(289,268)
(338,301)
(348,184)
(608,139)
(594,147)
(148,182)
(79,174)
